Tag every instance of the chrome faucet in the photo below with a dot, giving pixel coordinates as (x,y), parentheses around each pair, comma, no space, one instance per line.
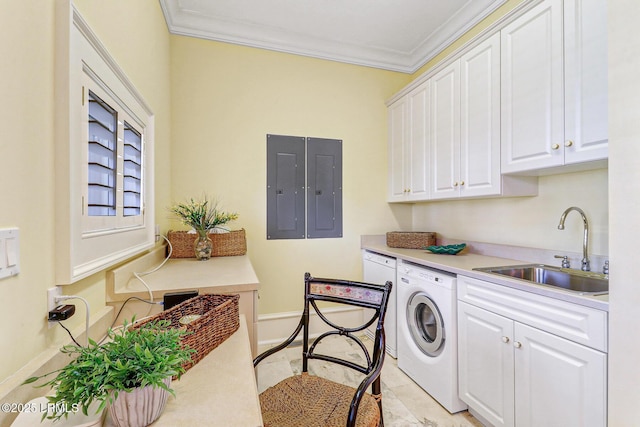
(585,242)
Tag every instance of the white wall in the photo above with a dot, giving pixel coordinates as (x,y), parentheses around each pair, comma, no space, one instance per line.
(624,208)
(528,221)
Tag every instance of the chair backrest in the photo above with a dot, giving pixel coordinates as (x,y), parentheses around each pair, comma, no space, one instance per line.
(366,295)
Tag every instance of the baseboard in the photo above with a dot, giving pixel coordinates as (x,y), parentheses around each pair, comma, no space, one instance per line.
(275,328)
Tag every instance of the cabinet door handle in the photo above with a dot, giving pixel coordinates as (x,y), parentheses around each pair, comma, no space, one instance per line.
(569,143)
(505,339)
(455,184)
(517,344)
(462,183)
(555,146)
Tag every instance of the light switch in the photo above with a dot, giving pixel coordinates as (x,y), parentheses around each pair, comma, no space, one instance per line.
(9,252)
(11,246)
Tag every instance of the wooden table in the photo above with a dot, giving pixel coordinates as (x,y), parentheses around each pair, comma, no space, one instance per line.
(218,275)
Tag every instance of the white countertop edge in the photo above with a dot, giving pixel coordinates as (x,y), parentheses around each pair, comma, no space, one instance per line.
(464,263)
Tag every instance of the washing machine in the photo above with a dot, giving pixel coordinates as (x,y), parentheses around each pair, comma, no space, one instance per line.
(427,331)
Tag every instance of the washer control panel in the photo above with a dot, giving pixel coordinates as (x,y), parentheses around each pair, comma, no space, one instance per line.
(409,272)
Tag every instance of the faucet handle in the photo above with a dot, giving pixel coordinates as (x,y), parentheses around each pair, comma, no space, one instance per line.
(565,260)
(605,267)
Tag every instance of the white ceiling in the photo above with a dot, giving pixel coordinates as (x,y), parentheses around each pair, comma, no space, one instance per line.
(397,35)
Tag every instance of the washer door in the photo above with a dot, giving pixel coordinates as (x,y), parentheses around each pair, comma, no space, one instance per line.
(425,324)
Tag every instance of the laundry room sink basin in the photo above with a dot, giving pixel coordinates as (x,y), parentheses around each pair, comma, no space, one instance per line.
(581,282)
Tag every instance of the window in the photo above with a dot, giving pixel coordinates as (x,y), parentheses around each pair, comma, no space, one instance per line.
(304,187)
(115,173)
(104,152)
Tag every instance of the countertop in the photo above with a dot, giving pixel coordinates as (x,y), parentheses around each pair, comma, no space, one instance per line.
(219,391)
(218,274)
(466,261)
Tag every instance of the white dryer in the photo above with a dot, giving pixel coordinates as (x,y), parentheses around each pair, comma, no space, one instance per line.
(427,331)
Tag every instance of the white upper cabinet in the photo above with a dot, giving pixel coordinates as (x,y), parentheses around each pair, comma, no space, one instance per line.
(397,150)
(554,86)
(419,141)
(527,98)
(465,128)
(445,132)
(480,119)
(532,89)
(409,146)
(585,74)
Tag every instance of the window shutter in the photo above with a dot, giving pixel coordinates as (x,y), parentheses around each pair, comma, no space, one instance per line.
(132,176)
(102,161)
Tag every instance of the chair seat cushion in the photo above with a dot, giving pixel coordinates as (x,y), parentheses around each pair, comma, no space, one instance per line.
(310,401)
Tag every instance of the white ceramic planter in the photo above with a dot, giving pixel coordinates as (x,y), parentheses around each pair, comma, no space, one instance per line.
(140,407)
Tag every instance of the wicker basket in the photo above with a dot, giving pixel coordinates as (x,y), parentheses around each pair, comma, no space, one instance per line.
(410,239)
(219,320)
(232,243)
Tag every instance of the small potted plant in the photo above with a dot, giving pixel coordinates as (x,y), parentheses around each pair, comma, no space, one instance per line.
(203,216)
(130,374)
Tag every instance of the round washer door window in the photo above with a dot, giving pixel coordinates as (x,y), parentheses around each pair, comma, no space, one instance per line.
(425,324)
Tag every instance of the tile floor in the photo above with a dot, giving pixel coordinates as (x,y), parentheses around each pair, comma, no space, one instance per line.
(404,403)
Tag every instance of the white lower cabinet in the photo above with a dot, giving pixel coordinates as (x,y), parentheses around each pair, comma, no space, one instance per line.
(513,374)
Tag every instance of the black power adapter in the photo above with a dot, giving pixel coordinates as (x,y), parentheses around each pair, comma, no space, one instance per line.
(175,298)
(62,312)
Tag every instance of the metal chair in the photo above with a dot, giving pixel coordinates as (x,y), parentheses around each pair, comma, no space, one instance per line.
(307,400)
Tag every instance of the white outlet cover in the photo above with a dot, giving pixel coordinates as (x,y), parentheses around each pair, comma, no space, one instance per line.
(9,252)
(52,294)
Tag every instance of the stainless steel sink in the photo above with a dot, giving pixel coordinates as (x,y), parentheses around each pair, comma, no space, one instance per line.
(582,282)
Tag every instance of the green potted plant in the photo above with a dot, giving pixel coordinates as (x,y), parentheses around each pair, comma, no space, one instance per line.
(203,216)
(131,365)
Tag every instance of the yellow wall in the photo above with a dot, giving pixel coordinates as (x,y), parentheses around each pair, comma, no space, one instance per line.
(227,98)
(26,147)
(139,41)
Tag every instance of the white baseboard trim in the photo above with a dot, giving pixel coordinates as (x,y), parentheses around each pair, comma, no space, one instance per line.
(275,328)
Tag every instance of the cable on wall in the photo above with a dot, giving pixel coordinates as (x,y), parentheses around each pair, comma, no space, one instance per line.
(86,303)
(153,270)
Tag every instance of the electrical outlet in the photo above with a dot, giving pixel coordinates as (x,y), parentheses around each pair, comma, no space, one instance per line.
(52,294)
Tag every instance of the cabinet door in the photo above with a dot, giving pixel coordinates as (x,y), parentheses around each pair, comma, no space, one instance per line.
(418,162)
(485,363)
(397,116)
(445,132)
(585,59)
(532,125)
(480,119)
(558,382)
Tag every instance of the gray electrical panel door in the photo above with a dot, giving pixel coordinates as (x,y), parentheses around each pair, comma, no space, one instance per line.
(285,187)
(324,188)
